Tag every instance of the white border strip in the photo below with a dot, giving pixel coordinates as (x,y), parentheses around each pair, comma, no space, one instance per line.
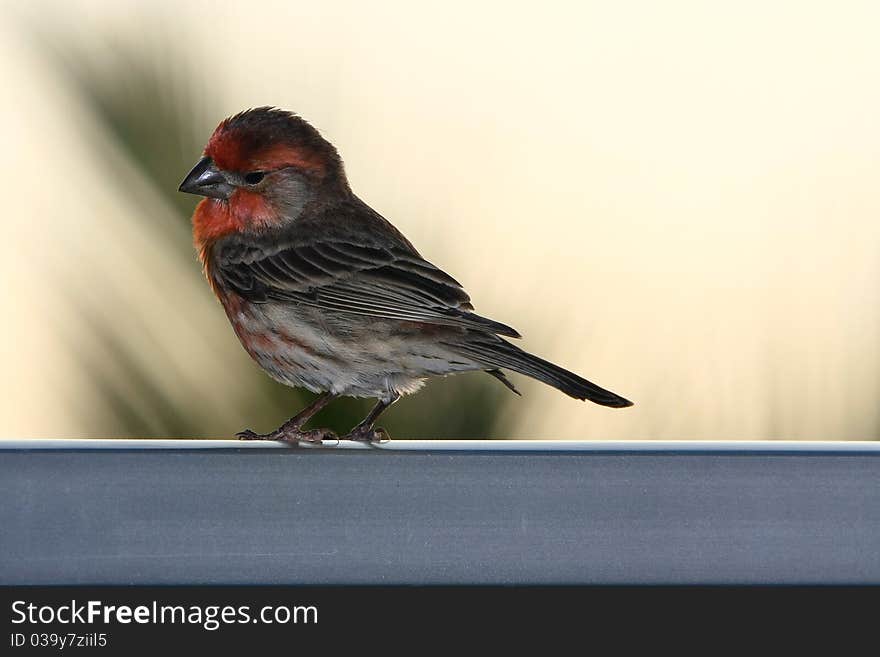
(97,444)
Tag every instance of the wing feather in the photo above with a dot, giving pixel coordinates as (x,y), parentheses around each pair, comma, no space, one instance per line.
(386,283)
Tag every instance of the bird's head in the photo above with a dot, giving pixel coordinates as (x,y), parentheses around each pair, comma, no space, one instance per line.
(261,168)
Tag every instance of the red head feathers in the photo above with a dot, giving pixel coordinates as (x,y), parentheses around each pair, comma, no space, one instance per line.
(256,165)
(266,139)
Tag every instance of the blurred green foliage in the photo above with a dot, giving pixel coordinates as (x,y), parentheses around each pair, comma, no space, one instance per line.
(148,106)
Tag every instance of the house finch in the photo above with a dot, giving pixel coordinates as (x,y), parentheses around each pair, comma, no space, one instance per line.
(323,292)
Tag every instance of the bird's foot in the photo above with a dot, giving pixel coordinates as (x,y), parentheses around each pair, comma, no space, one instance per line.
(368,435)
(290,435)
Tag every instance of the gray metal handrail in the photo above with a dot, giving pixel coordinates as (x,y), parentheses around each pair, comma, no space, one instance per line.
(633,446)
(439,512)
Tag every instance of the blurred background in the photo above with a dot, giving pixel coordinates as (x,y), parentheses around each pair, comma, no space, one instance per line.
(678,200)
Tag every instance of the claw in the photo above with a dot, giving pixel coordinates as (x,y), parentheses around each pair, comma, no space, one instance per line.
(368,435)
(314,436)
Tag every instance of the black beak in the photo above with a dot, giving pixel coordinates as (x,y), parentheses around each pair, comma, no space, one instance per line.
(207,180)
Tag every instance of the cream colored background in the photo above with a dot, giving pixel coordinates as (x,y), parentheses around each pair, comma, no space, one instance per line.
(678,200)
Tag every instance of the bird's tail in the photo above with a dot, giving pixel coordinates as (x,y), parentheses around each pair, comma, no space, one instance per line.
(495,352)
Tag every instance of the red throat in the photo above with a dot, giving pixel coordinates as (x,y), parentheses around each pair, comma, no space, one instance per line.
(244,212)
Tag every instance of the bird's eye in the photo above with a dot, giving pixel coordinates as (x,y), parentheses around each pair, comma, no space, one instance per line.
(254,177)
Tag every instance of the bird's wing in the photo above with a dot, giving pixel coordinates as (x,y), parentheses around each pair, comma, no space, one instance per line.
(391,282)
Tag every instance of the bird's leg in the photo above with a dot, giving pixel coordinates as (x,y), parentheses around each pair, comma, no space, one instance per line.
(292,431)
(365,431)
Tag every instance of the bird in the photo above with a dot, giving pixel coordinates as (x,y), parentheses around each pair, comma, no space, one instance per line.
(326,294)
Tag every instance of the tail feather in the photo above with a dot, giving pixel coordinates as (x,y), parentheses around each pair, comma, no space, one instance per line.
(496,352)
(498,374)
